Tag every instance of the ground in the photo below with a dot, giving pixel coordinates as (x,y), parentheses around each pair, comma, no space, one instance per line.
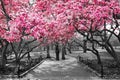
(68,69)
(62,70)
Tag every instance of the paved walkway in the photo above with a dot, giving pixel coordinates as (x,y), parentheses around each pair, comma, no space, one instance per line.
(67,69)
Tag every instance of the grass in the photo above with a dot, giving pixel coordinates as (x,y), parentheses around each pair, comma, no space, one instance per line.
(111,70)
(24,66)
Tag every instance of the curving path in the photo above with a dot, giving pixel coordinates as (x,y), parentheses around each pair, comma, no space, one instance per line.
(67,69)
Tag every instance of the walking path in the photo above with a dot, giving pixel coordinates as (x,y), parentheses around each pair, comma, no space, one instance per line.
(67,69)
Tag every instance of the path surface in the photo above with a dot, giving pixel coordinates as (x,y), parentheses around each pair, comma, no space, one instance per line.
(67,69)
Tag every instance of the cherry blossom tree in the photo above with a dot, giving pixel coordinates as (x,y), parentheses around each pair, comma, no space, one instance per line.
(49,21)
(93,20)
(41,21)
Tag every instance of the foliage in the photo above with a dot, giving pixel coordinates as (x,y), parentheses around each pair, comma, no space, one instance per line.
(49,21)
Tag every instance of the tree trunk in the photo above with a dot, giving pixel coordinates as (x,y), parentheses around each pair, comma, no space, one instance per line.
(17,68)
(57,51)
(44,48)
(112,53)
(29,57)
(85,46)
(48,51)
(3,56)
(95,51)
(63,52)
(69,48)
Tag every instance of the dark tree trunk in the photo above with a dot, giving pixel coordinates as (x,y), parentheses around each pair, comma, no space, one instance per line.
(95,51)
(57,51)
(17,68)
(63,52)
(85,46)
(111,51)
(29,57)
(48,51)
(44,48)
(69,48)
(3,56)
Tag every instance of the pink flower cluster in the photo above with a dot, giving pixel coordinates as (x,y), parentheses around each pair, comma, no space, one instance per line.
(54,20)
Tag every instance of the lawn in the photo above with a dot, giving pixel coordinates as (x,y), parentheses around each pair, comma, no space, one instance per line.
(110,68)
